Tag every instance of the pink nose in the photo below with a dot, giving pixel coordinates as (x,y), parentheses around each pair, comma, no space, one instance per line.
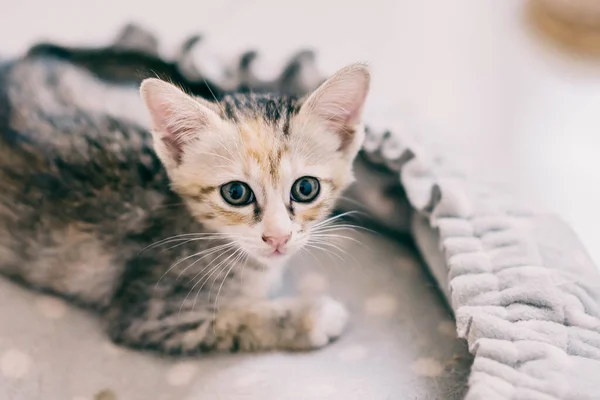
(276,241)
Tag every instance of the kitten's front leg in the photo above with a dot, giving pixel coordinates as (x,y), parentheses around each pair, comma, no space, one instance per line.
(287,323)
(244,324)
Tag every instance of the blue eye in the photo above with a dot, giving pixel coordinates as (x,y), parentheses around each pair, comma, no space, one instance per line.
(237,193)
(305,189)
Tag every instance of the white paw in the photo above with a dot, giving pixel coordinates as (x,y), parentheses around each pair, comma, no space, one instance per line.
(327,321)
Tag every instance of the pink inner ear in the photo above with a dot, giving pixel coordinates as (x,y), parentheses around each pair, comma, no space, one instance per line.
(176,117)
(347,110)
(166,124)
(340,100)
(341,108)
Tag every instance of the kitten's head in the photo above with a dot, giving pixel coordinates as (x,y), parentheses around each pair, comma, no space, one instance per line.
(261,169)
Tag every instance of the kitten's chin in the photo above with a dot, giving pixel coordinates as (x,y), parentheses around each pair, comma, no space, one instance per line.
(274,259)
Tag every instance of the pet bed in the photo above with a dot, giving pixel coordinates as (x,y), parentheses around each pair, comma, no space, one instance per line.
(524,294)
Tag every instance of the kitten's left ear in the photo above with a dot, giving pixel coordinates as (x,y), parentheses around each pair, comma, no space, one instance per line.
(177,119)
(338,104)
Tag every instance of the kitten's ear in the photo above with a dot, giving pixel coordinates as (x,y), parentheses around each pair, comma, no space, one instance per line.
(177,119)
(338,103)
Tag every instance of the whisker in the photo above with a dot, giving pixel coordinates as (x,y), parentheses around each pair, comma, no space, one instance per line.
(317,260)
(231,265)
(336,217)
(224,251)
(206,278)
(334,236)
(309,253)
(183,237)
(243,267)
(200,253)
(327,251)
(323,242)
(195,240)
(186,241)
(195,284)
(224,247)
(343,226)
(222,270)
(186,258)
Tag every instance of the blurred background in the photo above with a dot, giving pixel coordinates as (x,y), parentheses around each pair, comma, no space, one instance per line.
(515,84)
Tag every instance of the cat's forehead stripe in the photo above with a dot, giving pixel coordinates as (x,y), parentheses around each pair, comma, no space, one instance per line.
(265,146)
(272,109)
(275,162)
(258,139)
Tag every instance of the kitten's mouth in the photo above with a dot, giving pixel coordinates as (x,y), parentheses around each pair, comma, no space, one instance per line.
(277,253)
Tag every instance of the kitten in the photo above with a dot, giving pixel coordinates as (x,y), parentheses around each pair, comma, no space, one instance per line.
(177,247)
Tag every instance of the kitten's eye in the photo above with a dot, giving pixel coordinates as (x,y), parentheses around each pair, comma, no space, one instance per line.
(305,189)
(237,193)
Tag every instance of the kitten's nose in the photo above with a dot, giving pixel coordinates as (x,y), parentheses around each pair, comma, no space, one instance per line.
(276,241)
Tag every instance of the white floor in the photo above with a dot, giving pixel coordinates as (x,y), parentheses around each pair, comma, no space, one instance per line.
(471,68)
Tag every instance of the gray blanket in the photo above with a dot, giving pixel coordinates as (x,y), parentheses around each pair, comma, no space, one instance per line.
(525,294)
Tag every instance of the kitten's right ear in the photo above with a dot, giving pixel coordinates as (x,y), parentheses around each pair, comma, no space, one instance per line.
(338,105)
(177,119)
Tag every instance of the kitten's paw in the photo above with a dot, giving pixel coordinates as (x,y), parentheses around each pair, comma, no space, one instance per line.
(325,321)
